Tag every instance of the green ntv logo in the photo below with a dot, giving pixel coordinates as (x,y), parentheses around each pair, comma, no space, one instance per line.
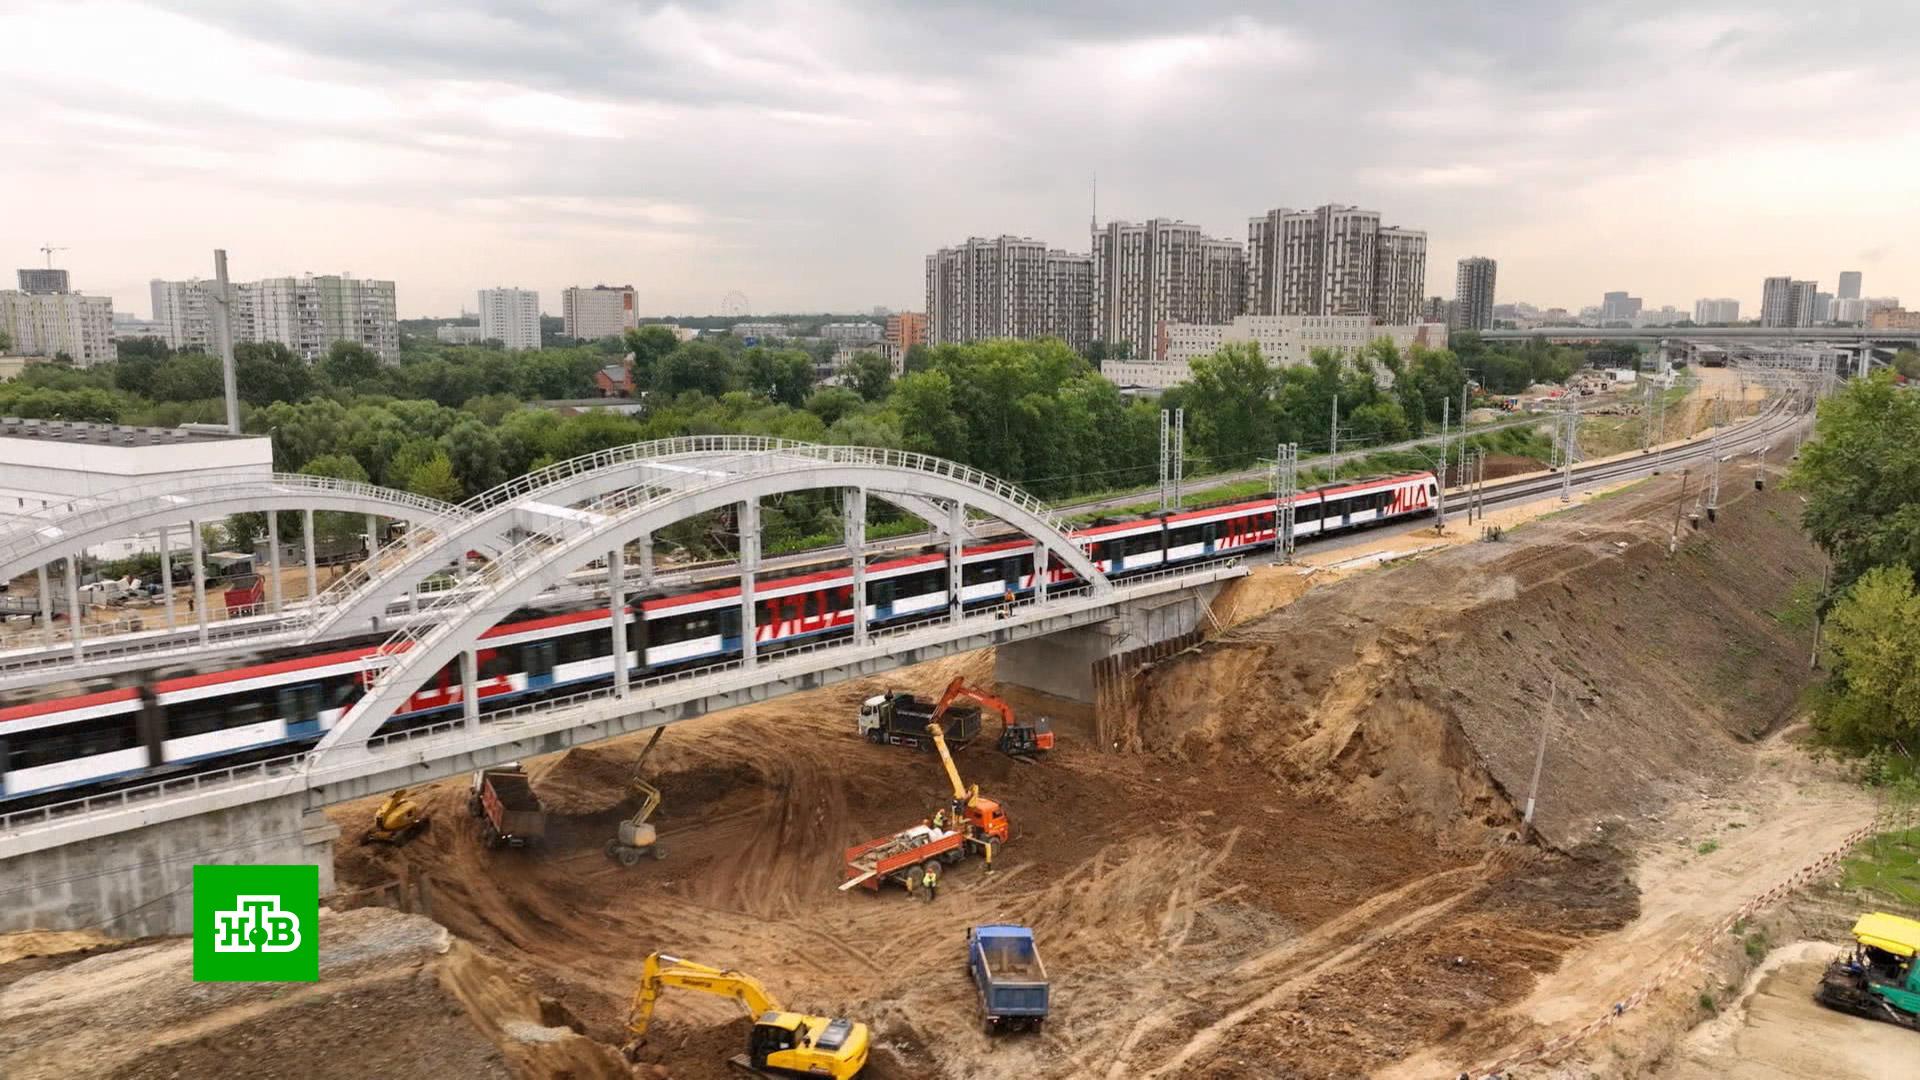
(256,924)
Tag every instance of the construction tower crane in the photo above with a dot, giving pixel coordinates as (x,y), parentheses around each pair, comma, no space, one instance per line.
(781,1043)
(1016,739)
(48,249)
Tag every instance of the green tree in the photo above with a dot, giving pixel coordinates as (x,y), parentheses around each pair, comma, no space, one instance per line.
(408,458)
(349,364)
(923,401)
(1872,638)
(189,376)
(476,454)
(1860,475)
(830,403)
(332,524)
(1907,363)
(269,372)
(434,479)
(1231,418)
(648,344)
(870,375)
(694,367)
(783,376)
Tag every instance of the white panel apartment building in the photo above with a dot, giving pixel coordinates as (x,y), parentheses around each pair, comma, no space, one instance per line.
(511,317)
(1473,293)
(306,314)
(1707,312)
(1160,272)
(600,312)
(1283,340)
(1336,260)
(48,324)
(1010,287)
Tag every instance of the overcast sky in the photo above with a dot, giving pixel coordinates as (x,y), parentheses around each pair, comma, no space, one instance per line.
(809,155)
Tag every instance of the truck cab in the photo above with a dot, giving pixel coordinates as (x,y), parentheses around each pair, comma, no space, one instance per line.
(1006,969)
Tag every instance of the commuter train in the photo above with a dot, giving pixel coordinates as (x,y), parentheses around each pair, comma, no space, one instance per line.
(60,748)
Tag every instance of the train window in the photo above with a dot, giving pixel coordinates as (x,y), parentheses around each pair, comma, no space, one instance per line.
(589,645)
(65,742)
(980,573)
(298,704)
(214,714)
(340,692)
(499,663)
(882,593)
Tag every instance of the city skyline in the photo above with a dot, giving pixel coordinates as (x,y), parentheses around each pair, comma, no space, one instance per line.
(449,146)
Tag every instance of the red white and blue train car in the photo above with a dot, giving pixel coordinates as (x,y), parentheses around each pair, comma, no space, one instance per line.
(60,747)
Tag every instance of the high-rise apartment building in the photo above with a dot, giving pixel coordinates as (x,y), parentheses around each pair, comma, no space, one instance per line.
(853,333)
(1707,312)
(1009,287)
(1161,271)
(1848,310)
(53,323)
(1473,294)
(1619,307)
(600,312)
(1849,285)
(511,317)
(1336,260)
(1822,307)
(306,314)
(1436,310)
(43,280)
(1802,300)
(1776,302)
(906,329)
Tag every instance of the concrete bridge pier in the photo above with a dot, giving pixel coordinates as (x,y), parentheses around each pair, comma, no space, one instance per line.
(1061,664)
(140,882)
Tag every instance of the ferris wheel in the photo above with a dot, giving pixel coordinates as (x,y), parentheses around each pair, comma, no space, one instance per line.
(734,305)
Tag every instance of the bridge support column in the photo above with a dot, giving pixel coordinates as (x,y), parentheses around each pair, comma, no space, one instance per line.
(199,581)
(74,615)
(140,882)
(273,560)
(469,689)
(854,524)
(956,530)
(749,565)
(373,536)
(166,571)
(46,607)
(646,561)
(617,612)
(1042,562)
(1062,664)
(313,572)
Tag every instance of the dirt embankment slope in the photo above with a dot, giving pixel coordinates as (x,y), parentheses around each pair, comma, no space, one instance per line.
(1418,694)
(397,996)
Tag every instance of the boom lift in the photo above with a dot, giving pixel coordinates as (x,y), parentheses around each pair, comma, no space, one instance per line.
(1016,739)
(636,836)
(781,1043)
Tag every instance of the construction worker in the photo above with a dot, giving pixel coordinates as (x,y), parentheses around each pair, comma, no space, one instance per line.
(940,819)
(989,849)
(931,881)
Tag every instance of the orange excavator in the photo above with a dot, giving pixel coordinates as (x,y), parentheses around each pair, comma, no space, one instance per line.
(1016,739)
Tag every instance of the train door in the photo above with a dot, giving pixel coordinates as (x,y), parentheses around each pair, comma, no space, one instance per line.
(1012,573)
(1209,536)
(882,593)
(541,656)
(299,708)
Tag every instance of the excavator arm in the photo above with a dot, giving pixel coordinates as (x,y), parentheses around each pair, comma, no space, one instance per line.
(662,971)
(958,689)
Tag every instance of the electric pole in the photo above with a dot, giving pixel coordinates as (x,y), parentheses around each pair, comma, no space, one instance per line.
(1567,421)
(1285,486)
(1333,433)
(1179,456)
(1540,755)
(1166,428)
(223,333)
(1440,503)
(1713,476)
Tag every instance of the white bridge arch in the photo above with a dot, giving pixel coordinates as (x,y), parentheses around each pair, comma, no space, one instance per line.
(450,627)
(534,503)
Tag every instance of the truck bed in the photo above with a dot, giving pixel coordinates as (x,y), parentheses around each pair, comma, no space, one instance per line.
(513,791)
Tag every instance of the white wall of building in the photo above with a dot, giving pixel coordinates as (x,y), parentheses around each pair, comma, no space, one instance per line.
(511,317)
(600,312)
(1283,340)
(47,324)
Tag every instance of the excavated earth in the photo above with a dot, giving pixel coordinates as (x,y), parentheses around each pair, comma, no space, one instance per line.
(1315,866)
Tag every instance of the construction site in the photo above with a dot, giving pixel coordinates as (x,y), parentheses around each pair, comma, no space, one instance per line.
(1407,813)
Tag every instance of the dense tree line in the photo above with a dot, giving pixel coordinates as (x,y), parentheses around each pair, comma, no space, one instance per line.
(1860,477)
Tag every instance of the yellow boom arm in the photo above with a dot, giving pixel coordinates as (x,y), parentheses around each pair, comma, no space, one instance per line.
(662,971)
(960,792)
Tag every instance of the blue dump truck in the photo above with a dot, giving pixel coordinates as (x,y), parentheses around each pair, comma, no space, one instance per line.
(1013,983)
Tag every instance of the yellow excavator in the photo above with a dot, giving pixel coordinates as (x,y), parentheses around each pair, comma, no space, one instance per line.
(399,819)
(780,1044)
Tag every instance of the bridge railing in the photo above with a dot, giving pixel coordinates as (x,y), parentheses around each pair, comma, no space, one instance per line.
(288,766)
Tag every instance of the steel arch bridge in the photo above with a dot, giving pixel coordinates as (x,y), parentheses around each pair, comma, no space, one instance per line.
(536,502)
(660,494)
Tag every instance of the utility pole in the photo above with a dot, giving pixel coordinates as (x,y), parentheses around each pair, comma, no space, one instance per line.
(1333,433)
(1646,418)
(1285,487)
(1826,580)
(1673,540)
(1480,486)
(1540,755)
(1759,464)
(1570,417)
(1166,428)
(1440,500)
(1179,456)
(1713,476)
(223,332)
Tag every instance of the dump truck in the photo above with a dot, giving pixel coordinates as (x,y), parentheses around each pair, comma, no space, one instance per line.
(900,719)
(780,1043)
(1880,978)
(1012,981)
(510,814)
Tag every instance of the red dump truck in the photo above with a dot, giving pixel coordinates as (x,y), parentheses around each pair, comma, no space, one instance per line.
(510,813)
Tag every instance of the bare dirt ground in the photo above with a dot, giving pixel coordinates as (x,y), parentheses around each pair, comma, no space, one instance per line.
(1776,1029)
(1316,867)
